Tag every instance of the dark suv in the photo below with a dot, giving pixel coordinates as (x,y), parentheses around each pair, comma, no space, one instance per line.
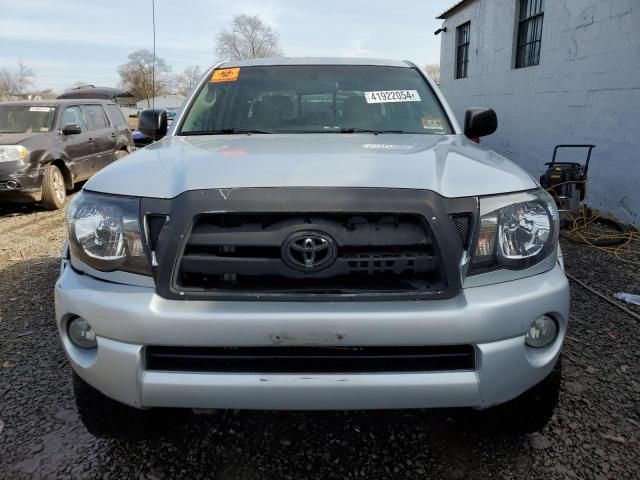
(47,146)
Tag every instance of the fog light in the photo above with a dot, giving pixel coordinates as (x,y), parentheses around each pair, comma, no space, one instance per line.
(81,333)
(542,332)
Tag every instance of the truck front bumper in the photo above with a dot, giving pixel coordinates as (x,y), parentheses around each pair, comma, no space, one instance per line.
(494,319)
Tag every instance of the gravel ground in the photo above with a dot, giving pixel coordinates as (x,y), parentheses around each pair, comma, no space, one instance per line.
(595,433)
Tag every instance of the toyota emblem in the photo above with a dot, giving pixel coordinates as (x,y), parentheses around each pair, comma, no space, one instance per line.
(309,251)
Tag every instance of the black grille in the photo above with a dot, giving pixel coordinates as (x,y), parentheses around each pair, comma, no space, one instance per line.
(374,252)
(311,359)
(463,223)
(397,244)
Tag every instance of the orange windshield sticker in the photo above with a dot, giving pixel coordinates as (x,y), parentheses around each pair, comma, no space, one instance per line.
(225,75)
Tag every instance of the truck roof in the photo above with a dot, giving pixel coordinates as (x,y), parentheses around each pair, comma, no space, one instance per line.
(261,62)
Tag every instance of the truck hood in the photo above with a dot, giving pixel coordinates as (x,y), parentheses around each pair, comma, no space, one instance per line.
(450,165)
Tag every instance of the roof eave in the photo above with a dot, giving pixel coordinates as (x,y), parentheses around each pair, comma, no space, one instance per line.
(444,15)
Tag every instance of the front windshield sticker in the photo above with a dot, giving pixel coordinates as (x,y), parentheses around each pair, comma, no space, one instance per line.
(432,123)
(389,96)
(225,75)
(40,109)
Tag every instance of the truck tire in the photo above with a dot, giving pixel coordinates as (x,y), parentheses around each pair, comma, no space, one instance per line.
(106,418)
(54,190)
(532,410)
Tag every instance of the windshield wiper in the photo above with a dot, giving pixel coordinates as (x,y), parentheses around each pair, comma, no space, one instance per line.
(368,130)
(226,131)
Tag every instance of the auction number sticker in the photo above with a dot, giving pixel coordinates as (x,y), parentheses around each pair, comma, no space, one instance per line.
(389,96)
(225,75)
(40,109)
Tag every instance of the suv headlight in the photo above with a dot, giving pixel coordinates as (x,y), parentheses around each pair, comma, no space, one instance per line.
(104,232)
(516,231)
(12,153)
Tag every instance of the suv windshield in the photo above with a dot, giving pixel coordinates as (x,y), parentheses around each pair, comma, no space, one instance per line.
(315,98)
(26,118)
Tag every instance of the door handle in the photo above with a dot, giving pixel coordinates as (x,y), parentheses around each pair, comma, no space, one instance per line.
(113,135)
(91,140)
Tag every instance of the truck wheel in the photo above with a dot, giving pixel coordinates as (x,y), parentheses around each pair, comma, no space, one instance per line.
(54,190)
(531,411)
(106,418)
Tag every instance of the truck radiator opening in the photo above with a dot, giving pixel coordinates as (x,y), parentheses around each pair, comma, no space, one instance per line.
(248,252)
(311,359)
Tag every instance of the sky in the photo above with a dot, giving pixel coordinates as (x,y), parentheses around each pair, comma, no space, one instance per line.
(68,41)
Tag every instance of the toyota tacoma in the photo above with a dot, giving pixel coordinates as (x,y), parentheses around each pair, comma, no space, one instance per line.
(312,234)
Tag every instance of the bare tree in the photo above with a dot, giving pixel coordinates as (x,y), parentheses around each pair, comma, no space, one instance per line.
(433,70)
(24,79)
(14,84)
(137,75)
(6,84)
(248,37)
(185,81)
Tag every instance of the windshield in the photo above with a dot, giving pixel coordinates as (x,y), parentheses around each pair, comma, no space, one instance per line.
(315,98)
(26,119)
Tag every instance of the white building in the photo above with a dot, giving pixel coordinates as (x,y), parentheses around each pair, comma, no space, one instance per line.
(555,72)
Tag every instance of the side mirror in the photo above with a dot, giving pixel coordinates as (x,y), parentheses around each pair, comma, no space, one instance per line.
(479,122)
(71,129)
(153,123)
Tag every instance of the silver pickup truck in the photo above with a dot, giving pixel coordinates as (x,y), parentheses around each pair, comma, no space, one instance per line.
(312,234)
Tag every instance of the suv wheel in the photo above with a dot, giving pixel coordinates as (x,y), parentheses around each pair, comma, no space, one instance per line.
(106,418)
(531,411)
(54,190)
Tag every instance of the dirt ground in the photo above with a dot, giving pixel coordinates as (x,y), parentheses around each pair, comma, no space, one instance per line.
(594,434)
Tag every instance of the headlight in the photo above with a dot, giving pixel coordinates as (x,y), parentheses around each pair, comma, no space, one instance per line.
(12,153)
(104,232)
(516,231)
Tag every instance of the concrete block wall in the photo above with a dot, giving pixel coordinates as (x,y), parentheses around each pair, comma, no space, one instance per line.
(586,89)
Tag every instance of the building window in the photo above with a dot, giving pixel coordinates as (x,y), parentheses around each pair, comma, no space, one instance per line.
(529,33)
(462,49)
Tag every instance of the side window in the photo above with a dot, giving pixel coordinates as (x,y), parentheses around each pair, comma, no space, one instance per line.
(96,118)
(462,49)
(116,116)
(74,115)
